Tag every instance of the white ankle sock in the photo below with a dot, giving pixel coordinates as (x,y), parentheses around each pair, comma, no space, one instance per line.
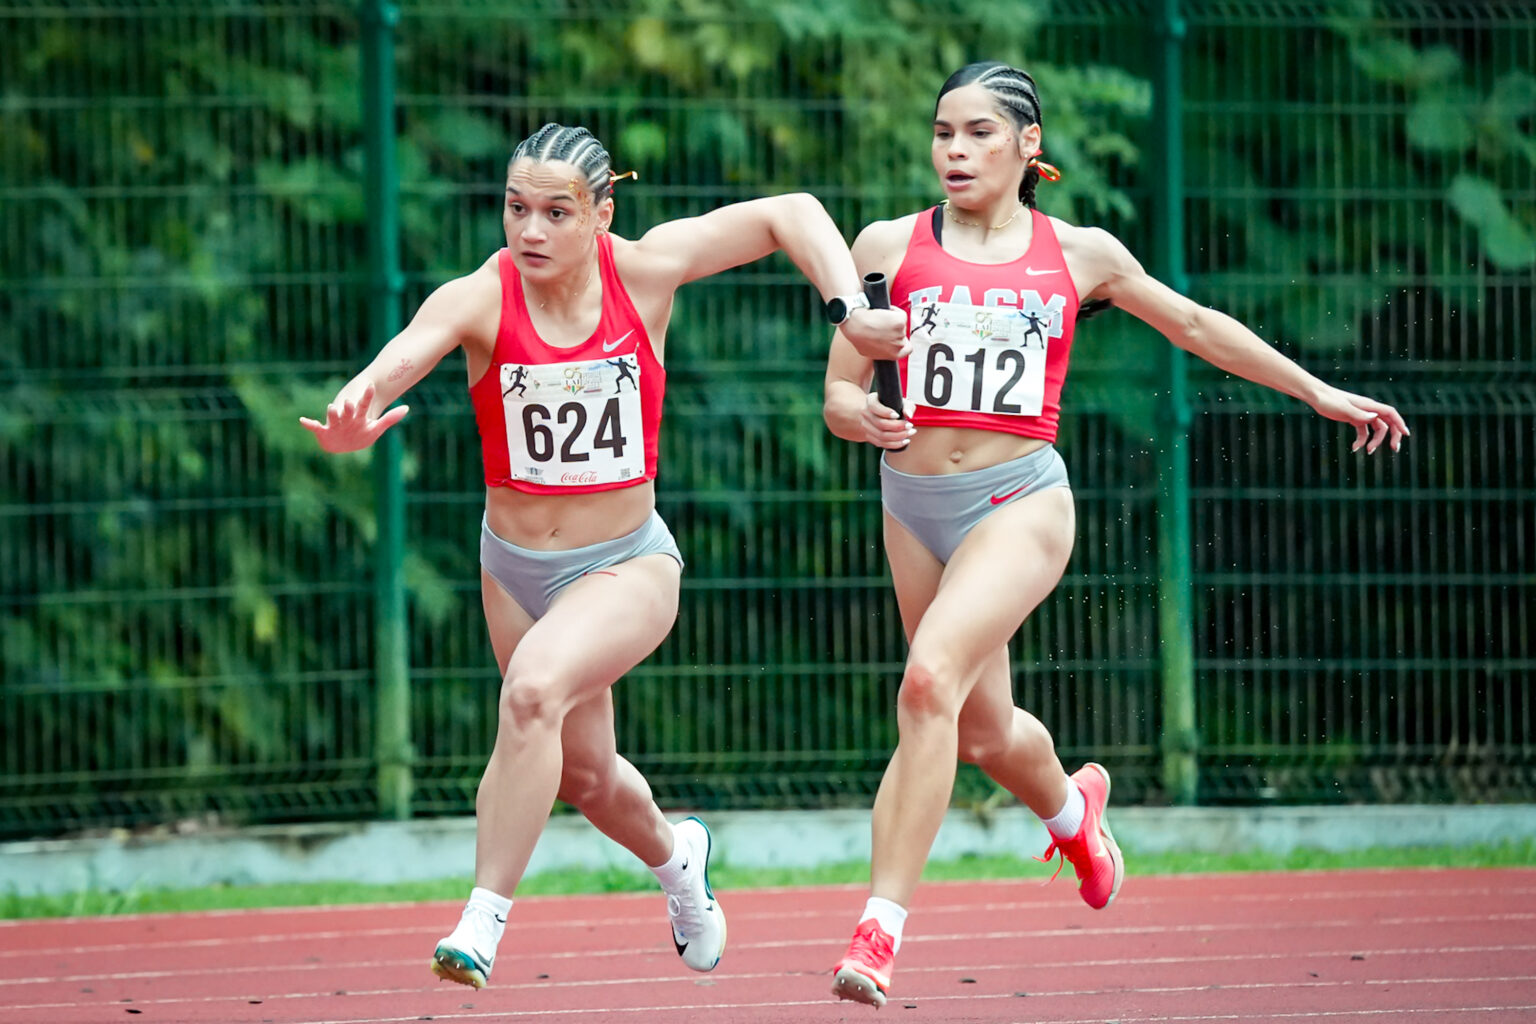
(1069,819)
(890,916)
(486,912)
(672,875)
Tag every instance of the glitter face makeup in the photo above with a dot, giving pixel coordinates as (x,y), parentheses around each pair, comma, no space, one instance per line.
(979,156)
(551,219)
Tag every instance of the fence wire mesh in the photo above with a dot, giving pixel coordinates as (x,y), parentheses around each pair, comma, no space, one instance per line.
(186,608)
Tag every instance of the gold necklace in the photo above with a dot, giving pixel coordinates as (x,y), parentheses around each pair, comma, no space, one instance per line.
(976,223)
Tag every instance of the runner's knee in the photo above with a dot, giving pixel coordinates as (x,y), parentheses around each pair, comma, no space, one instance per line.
(531,701)
(928,691)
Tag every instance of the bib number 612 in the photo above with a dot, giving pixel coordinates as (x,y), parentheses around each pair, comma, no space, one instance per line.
(939,378)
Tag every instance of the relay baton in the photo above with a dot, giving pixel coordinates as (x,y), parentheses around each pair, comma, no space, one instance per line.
(887,380)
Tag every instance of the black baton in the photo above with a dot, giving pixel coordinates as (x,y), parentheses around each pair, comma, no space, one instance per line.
(887,380)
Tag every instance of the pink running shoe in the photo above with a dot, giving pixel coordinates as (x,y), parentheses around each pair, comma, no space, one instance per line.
(1093,852)
(864,973)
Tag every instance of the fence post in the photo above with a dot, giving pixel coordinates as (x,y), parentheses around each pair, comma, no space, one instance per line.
(1175,578)
(392,733)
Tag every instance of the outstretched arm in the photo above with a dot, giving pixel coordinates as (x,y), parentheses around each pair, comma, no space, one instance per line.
(1222,341)
(685,250)
(353,420)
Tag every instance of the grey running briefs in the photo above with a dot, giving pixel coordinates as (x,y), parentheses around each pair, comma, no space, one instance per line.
(534,578)
(940,510)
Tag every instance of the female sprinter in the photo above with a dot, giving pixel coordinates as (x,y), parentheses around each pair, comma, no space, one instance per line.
(564,332)
(978,513)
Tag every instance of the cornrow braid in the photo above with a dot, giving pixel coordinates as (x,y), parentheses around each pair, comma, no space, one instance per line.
(575,146)
(1019,98)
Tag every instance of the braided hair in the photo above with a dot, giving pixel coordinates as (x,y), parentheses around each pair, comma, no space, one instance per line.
(577,147)
(1018,96)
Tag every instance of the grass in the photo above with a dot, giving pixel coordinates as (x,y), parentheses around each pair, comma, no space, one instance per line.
(1520,853)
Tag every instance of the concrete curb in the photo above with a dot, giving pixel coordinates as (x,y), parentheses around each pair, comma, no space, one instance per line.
(380,852)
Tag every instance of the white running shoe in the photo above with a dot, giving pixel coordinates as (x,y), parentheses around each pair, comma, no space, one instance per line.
(467,954)
(698,923)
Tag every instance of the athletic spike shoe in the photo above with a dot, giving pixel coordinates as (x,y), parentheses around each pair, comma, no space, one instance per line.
(468,952)
(698,922)
(1093,852)
(465,966)
(863,975)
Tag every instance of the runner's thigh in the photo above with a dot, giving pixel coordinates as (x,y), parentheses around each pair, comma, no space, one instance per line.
(1000,573)
(915,573)
(504,618)
(598,628)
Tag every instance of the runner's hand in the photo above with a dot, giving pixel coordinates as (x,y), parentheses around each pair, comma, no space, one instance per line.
(349,427)
(877,333)
(1373,421)
(882,427)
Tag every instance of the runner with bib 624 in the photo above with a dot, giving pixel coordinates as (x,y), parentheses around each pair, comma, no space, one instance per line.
(564,332)
(978,511)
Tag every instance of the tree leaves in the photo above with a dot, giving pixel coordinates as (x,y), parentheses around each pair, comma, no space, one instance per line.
(1464,127)
(1389,58)
(1443,120)
(1506,241)
(185,238)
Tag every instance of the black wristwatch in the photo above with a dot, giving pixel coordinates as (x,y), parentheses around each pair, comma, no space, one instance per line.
(839,308)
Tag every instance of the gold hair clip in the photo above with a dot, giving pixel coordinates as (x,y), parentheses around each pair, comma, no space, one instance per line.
(612,178)
(1047,171)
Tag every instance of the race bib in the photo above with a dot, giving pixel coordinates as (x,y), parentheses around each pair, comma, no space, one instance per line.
(578,423)
(987,359)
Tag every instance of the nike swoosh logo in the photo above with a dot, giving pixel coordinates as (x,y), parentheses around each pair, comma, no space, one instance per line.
(998,499)
(609,346)
(1032,272)
(684,867)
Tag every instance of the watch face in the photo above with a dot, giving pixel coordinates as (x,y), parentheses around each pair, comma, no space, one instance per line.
(837,310)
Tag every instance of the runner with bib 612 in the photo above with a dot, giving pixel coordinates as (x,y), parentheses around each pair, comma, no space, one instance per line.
(564,333)
(978,511)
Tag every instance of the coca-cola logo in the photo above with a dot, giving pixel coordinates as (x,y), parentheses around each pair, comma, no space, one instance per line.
(587,477)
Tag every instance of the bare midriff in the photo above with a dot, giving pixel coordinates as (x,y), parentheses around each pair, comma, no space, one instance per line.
(938,450)
(558,522)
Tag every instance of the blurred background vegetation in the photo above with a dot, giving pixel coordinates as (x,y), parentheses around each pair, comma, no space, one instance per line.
(185,608)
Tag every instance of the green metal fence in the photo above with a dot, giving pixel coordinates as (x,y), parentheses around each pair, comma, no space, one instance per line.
(192,253)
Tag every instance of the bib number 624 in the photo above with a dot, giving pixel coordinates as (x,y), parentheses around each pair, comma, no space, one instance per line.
(608,434)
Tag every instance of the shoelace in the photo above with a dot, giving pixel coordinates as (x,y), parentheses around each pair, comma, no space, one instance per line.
(1075,850)
(1050,855)
(685,912)
(871,945)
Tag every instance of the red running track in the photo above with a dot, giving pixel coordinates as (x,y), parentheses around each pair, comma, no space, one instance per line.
(1332,947)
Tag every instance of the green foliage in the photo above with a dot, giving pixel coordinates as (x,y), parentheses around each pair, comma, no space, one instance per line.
(1459,119)
(186,617)
(1506,239)
(1465,142)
